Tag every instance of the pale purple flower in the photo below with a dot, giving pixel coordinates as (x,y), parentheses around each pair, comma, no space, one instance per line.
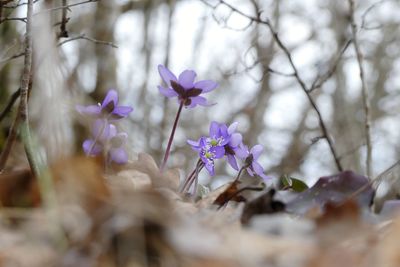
(222,135)
(107,109)
(250,157)
(207,153)
(106,137)
(184,87)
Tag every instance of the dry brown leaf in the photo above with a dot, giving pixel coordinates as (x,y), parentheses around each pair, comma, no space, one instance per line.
(343,238)
(80,181)
(146,164)
(388,250)
(19,189)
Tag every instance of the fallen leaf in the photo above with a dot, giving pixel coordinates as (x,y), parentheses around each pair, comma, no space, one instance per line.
(335,189)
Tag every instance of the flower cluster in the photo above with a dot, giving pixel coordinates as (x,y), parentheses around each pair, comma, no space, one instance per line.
(225,141)
(105,138)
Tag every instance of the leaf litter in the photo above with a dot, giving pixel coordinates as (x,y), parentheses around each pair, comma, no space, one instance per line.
(135,216)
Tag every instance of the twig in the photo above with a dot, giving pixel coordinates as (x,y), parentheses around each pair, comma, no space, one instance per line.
(11,102)
(377,180)
(12,57)
(365,95)
(367,11)
(66,6)
(296,74)
(19,4)
(21,118)
(64,21)
(13,19)
(84,37)
(319,81)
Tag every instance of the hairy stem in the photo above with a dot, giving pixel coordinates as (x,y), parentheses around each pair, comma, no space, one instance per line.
(188,180)
(171,137)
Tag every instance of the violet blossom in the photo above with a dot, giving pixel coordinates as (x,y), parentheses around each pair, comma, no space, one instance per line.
(222,135)
(106,138)
(207,153)
(108,109)
(184,87)
(250,157)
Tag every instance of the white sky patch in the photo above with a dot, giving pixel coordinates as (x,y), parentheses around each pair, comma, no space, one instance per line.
(285,109)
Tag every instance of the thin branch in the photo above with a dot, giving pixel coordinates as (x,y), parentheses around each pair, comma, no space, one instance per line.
(19,4)
(84,37)
(296,74)
(21,118)
(64,20)
(367,11)
(66,6)
(13,19)
(10,104)
(365,95)
(12,57)
(319,81)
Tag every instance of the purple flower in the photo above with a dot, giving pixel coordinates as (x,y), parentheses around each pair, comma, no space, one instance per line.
(207,153)
(107,109)
(106,138)
(222,135)
(250,158)
(184,87)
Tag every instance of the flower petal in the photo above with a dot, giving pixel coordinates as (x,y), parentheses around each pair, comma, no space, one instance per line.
(236,139)
(101,130)
(242,151)
(206,85)
(232,127)
(218,151)
(232,161)
(256,151)
(195,144)
(166,75)
(89,110)
(118,155)
(250,172)
(112,96)
(167,92)
(257,168)
(122,111)
(112,131)
(199,100)
(214,129)
(210,168)
(186,79)
(91,148)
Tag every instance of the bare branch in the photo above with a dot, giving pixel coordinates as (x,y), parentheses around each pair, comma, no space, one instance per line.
(367,11)
(320,80)
(278,41)
(22,114)
(18,4)
(365,95)
(12,57)
(84,37)
(64,20)
(13,19)
(66,6)
(10,104)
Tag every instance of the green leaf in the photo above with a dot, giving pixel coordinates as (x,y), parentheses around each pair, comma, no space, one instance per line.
(294,184)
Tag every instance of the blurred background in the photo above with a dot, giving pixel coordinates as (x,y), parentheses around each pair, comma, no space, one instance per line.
(119,43)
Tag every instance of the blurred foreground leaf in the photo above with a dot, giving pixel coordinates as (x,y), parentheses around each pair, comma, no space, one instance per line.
(335,189)
(294,184)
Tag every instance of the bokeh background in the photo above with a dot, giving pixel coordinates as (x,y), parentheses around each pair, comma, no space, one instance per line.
(119,43)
